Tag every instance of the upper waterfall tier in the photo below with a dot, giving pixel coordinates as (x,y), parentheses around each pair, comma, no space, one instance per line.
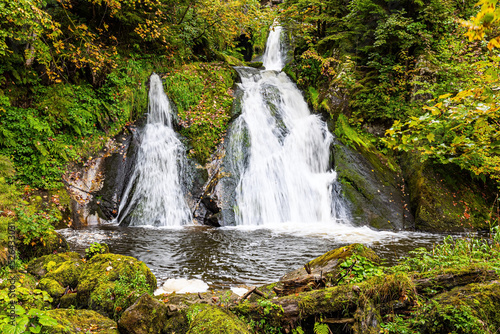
(154,195)
(273,56)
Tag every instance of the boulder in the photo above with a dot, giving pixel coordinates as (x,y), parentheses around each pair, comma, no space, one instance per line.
(80,321)
(110,283)
(63,268)
(146,316)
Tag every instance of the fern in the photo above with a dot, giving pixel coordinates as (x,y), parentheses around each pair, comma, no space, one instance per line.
(320,328)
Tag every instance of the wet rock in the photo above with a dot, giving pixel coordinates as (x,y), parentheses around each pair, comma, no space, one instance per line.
(371,182)
(54,243)
(97,285)
(146,316)
(80,321)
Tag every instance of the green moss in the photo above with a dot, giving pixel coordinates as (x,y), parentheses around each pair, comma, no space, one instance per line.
(105,278)
(81,321)
(42,265)
(67,273)
(52,287)
(206,319)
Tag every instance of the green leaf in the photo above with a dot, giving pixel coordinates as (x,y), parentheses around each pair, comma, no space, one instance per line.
(430,137)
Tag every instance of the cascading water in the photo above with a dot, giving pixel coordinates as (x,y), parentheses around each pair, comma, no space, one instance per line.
(280,151)
(154,194)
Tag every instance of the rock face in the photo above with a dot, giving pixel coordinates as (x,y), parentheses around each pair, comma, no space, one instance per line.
(80,321)
(444,198)
(110,283)
(146,316)
(372,183)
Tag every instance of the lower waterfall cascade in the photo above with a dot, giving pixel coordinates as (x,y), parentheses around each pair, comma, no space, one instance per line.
(154,194)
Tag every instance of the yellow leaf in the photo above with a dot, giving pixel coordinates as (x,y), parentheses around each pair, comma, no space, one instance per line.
(430,137)
(444,96)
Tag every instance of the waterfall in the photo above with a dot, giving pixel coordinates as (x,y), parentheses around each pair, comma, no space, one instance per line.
(154,193)
(273,57)
(280,151)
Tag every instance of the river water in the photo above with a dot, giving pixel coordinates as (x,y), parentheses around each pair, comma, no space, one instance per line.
(229,256)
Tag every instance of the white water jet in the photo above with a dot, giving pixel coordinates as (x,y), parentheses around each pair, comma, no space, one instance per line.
(154,194)
(281,151)
(273,58)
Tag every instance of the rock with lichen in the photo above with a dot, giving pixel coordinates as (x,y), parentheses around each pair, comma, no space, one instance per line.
(80,321)
(146,316)
(110,283)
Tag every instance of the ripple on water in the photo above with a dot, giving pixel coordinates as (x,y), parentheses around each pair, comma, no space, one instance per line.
(230,256)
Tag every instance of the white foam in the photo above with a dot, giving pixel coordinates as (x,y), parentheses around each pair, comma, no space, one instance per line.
(239,291)
(182,285)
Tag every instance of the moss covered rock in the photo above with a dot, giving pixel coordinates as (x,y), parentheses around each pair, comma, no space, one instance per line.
(328,264)
(53,243)
(204,318)
(444,198)
(80,321)
(110,283)
(53,288)
(146,316)
(371,182)
(474,308)
(64,268)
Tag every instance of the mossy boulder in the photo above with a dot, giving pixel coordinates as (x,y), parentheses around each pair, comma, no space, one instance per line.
(474,308)
(108,279)
(53,243)
(204,318)
(328,264)
(80,321)
(53,288)
(65,268)
(371,182)
(146,316)
(445,198)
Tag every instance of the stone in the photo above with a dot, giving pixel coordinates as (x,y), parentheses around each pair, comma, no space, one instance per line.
(146,316)
(98,288)
(80,321)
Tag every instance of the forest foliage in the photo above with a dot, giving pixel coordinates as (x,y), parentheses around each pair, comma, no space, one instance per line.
(423,73)
(74,72)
